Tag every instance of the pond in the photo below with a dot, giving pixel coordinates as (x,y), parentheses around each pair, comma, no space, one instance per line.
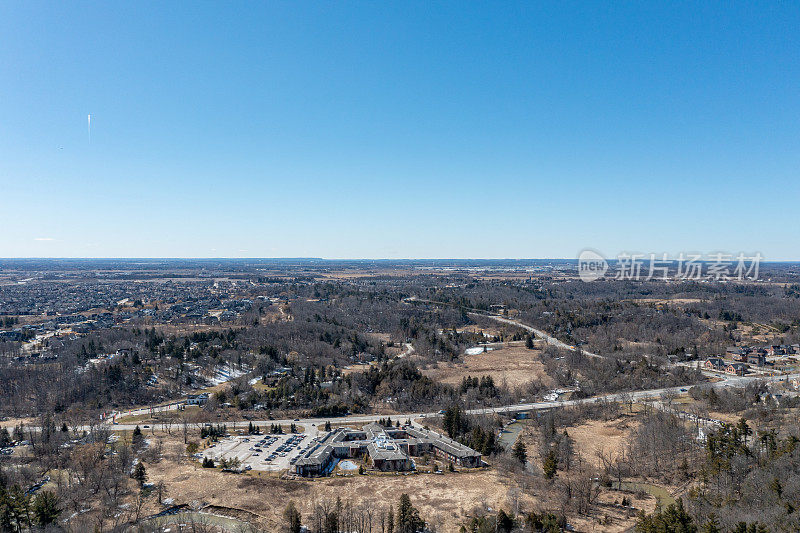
(196,518)
(661,494)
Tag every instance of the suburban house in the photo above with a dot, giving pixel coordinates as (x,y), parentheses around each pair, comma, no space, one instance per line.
(737,353)
(775,349)
(756,358)
(736,369)
(197,399)
(714,363)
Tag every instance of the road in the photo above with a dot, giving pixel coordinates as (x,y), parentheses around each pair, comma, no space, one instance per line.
(729,381)
(537,332)
(408,351)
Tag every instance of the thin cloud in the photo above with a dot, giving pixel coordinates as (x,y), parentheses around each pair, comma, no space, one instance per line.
(44,239)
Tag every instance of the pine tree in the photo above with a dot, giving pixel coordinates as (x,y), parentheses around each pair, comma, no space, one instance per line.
(711,525)
(408,520)
(293,518)
(45,508)
(550,465)
(520,452)
(504,522)
(673,518)
(140,474)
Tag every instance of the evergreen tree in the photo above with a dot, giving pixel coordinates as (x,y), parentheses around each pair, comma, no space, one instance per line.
(673,519)
(45,508)
(140,474)
(529,342)
(550,465)
(293,518)
(504,522)
(408,520)
(711,525)
(520,452)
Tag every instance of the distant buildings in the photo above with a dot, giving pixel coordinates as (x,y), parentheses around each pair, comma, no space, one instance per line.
(745,356)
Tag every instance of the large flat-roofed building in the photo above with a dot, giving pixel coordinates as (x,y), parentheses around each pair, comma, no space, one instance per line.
(446,448)
(388,449)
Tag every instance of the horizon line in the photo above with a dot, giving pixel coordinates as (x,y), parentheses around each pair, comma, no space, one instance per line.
(329,259)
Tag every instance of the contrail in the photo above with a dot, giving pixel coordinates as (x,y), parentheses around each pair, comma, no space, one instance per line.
(89,126)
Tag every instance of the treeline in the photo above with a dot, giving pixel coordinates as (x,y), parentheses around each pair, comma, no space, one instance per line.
(610,316)
(339,516)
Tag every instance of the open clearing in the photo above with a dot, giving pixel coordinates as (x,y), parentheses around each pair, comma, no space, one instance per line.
(514,365)
(442,499)
(596,436)
(445,500)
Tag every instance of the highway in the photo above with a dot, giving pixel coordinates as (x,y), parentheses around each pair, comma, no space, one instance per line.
(728,381)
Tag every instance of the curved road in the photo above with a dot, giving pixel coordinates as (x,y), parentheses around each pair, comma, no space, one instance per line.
(537,332)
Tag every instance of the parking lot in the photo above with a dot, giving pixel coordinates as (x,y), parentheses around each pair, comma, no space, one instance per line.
(271,453)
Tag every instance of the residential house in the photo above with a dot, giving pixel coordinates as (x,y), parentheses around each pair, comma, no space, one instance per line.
(197,399)
(736,369)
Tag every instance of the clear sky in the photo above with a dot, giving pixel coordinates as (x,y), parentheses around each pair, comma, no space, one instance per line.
(417,130)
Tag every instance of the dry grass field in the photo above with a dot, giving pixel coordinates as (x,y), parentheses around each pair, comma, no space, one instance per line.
(445,500)
(513,365)
(607,437)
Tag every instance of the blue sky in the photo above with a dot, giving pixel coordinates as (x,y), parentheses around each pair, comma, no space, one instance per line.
(413,130)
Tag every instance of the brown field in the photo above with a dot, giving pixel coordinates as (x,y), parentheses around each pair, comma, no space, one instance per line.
(381,337)
(350,369)
(489,330)
(13,422)
(667,301)
(444,500)
(514,365)
(597,436)
(618,520)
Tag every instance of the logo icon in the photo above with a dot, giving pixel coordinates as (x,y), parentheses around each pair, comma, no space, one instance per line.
(591,265)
